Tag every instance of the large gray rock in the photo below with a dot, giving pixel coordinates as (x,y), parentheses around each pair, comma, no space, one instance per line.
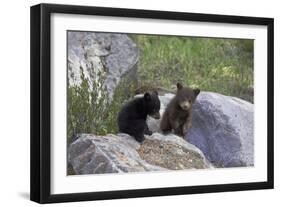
(121,153)
(101,57)
(222,127)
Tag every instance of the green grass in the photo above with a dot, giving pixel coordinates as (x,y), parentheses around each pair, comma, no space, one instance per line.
(220,65)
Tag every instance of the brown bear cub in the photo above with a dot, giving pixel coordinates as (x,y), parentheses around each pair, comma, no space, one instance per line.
(177,115)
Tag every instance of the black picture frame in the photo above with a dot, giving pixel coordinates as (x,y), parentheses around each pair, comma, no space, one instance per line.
(41,98)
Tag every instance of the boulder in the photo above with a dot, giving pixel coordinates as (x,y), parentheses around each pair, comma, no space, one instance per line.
(97,55)
(91,154)
(222,128)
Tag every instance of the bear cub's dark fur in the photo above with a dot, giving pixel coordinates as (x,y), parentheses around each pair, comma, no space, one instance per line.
(132,117)
(177,115)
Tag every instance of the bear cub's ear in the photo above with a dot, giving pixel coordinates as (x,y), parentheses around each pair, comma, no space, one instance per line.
(147,96)
(179,86)
(196,91)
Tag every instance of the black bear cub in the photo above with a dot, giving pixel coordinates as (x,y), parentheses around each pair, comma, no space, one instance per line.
(132,117)
(177,115)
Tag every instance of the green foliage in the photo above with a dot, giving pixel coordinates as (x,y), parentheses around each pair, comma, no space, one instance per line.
(220,65)
(86,107)
(89,109)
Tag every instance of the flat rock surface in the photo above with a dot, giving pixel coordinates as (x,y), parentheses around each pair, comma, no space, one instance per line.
(171,152)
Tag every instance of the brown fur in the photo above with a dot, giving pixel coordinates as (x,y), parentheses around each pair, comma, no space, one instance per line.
(177,115)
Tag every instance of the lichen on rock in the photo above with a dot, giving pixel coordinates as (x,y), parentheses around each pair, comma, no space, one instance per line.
(170,155)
